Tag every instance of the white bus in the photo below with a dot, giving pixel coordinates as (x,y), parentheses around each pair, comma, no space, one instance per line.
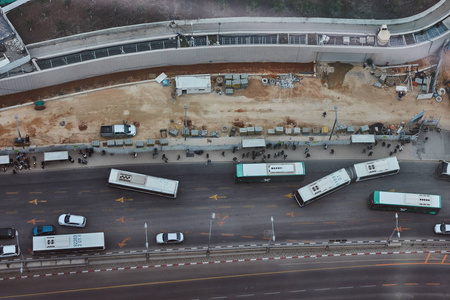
(405,202)
(76,242)
(322,187)
(143,183)
(269,172)
(376,168)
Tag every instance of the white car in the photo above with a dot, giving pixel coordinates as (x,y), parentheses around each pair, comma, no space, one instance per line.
(72,220)
(442,228)
(9,251)
(170,238)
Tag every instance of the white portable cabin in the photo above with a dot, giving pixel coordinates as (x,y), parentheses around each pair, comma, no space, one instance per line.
(193,84)
(57,155)
(253,143)
(363,139)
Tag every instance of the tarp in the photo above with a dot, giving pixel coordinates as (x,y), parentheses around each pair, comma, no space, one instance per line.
(252,143)
(4,159)
(58,155)
(363,139)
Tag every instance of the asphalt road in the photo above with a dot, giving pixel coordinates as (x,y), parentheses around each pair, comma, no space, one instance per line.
(402,276)
(243,211)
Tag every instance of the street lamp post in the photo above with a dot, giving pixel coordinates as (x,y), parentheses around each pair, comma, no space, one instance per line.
(23,263)
(335,123)
(213,216)
(146,240)
(218,34)
(272,236)
(185,122)
(395,229)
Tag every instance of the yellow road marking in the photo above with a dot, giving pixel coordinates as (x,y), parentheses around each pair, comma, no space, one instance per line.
(229,206)
(204,188)
(203,233)
(249,206)
(376,220)
(354,221)
(12,193)
(216,197)
(444,258)
(428,256)
(227,234)
(35,192)
(247,236)
(60,192)
(291,240)
(290,195)
(201,207)
(412,283)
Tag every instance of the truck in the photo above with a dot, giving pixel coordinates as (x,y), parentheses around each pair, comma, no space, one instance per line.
(114,131)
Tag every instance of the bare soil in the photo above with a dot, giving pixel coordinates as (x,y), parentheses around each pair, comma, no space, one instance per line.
(152,107)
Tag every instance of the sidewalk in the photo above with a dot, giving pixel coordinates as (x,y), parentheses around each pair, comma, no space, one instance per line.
(431,150)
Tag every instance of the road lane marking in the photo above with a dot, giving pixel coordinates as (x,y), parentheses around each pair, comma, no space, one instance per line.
(107,209)
(60,192)
(35,192)
(444,258)
(353,221)
(411,283)
(12,193)
(428,256)
(227,234)
(272,293)
(124,242)
(34,221)
(389,284)
(202,207)
(216,197)
(123,199)
(367,286)
(376,220)
(297,291)
(247,236)
(249,206)
(344,287)
(246,295)
(290,195)
(329,222)
(225,206)
(36,201)
(201,188)
(324,289)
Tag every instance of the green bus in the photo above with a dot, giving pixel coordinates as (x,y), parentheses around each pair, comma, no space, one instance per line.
(268,172)
(405,202)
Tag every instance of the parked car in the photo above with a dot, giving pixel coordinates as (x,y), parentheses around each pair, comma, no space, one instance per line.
(44,230)
(9,251)
(442,228)
(170,238)
(7,233)
(72,220)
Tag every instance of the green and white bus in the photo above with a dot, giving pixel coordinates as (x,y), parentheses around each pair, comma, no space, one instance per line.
(268,172)
(405,202)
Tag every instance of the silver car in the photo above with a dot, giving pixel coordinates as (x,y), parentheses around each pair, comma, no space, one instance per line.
(442,228)
(72,220)
(170,238)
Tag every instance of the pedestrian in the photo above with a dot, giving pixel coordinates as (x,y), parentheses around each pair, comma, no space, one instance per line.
(390,153)
(134,154)
(308,155)
(14,172)
(395,150)
(178,157)
(364,150)
(268,155)
(400,149)
(306,150)
(285,156)
(324,114)
(248,154)
(370,153)
(223,153)
(383,144)
(398,146)
(426,139)
(166,159)
(388,145)
(234,158)
(208,162)
(163,156)
(4,169)
(243,155)
(325,147)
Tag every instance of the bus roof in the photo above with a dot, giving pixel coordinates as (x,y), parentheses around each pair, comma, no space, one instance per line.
(271,169)
(376,166)
(409,199)
(68,241)
(324,184)
(134,180)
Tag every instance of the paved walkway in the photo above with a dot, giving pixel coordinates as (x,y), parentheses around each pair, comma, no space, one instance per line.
(220,150)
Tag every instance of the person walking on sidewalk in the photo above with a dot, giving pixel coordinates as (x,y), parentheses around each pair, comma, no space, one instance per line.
(223,153)
(426,139)
(324,114)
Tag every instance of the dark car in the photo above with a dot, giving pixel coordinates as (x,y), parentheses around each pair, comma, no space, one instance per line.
(44,230)
(7,233)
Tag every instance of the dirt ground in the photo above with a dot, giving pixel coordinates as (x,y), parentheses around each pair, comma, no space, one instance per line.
(152,107)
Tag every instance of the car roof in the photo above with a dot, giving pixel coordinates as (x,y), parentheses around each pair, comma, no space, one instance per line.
(9,249)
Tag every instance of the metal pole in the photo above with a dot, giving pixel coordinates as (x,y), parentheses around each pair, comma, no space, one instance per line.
(337,123)
(146,240)
(395,229)
(272,237)
(23,263)
(213,216)
(185,122)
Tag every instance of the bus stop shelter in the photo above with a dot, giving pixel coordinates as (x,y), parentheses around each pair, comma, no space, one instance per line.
(253,143)
(4,159)
(363,139)
(57,155)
